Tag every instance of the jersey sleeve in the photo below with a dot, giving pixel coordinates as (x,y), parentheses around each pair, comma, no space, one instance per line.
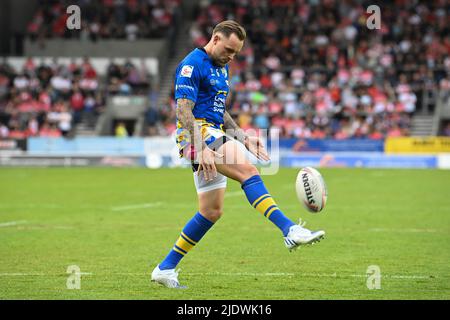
(187,80)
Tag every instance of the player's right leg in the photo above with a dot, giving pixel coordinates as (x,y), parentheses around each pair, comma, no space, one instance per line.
(210,201)
(165,273)
(236,166)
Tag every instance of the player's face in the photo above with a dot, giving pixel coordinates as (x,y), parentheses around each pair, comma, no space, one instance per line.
(225,49)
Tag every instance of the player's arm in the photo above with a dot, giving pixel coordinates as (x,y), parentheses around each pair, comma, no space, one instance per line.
(252,143)
(205,155)
(229,124)
(187,120)
(233,129)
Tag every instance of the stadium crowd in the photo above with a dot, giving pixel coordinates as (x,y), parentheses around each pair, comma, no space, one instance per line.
(314,69)
(105,19)
(48,100)
(309,68)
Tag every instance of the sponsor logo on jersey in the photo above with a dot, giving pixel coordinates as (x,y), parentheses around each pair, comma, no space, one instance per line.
(183,86)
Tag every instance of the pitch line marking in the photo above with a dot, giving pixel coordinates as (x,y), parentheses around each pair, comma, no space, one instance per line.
(12,223)
(411,230)
(233,274)
(319,275)
(233,194)
(21,274)
(137,206)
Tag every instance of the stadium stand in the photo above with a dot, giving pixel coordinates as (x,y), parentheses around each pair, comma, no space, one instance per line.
(310,68)
(49,99)
(314,70)
(105,19)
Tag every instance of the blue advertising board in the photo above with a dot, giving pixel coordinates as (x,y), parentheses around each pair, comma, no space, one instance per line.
(364,160)
(87,146)
(330,145)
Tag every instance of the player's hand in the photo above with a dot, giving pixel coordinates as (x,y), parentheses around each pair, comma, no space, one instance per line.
(256,147)
(206,163)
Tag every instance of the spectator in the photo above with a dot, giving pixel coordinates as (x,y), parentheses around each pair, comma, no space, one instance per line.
(121,130)
(49,130)
(77,104)
(4,131)
(151,121)
(446,131)
(261,120)
(65,121)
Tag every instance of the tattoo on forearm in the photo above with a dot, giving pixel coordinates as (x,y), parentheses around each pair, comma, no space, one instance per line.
(187,120)
(231,125)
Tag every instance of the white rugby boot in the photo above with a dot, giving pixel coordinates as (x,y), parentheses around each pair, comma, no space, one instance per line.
(168,278)
(298,236)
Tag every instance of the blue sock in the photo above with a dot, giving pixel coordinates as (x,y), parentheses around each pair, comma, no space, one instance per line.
(261,200)
(194,230)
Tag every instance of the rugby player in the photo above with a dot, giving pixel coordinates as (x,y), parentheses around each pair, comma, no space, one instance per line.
(201,90)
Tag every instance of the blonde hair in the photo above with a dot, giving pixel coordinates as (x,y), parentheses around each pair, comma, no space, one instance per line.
(229,27)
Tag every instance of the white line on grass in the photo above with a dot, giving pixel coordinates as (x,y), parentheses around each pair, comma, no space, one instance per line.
(137,206)
(21,274)
(399,230)
(312,275)
(44,227)
(233,194)
(12,223)
(236,274)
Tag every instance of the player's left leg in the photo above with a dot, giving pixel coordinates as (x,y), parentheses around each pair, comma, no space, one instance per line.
(237,167)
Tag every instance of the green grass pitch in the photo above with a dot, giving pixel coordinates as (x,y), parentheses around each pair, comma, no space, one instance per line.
(116,224)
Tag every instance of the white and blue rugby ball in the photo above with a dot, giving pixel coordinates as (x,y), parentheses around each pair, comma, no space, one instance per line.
(311,189)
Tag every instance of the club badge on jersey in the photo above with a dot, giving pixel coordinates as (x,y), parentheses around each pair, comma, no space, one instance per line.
(186,71)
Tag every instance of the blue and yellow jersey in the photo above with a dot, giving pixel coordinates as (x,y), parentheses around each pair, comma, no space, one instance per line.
(198,79)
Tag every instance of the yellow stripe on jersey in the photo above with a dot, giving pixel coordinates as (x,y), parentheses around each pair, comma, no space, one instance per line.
(222,92)
(203,122)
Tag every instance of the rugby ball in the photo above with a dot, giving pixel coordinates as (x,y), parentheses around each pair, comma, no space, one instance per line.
(311,189)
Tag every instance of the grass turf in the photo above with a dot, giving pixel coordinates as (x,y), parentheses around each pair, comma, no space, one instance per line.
(117,224)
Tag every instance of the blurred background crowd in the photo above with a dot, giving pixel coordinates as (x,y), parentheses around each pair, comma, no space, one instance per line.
(309,68)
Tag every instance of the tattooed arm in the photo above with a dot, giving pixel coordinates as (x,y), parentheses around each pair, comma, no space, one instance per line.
(233,129)
(229,124)
(205,156)
(187,120)
(252,143)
